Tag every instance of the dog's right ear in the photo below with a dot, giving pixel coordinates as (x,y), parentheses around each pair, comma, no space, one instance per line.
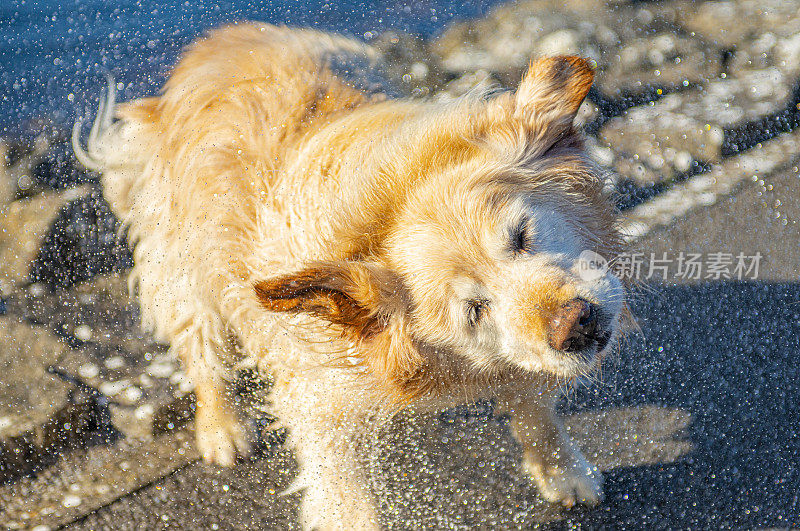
(552,90)
(355,296)
(541,112)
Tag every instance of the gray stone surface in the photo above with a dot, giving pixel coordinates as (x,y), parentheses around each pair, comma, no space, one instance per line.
(24,220)
(29,395)
(709,67)
(664,137)
(693,123)
(731,23)
(90,479)
(633,44)
(693,422)
(764,217)
(466,463)
(99,321)
(23,225)
(774,157)
(409,63)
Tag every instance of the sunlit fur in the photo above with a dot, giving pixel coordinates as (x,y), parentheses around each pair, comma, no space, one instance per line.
(285,216)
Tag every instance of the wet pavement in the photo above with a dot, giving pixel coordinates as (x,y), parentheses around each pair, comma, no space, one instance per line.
(694,422)
(718,356)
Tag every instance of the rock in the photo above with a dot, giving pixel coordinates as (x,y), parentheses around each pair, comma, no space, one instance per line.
(640,172)
(768,40)
(118,360)
(96,476)
(695,122)
(83,241)
(44,410)
(23,226)
(634,45)
(768,50)
(505,41)
(667,59)
(114,358)
(620,167)
(731,23)
(16,173)
(29,204)
(744,97)
(117,345)
(7,189)
(723,179)
(409,63)
(660,135)
(29,395)
(40,239)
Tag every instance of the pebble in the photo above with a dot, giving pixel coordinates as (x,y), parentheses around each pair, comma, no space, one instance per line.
(113,388)
(177,377)
(602,155)
(144,411)
(683,161)
(88,371)
(115,362)
(83,332)
(183,382)
(132,394)
(71,501)
(37,290)
(86,298)
(186,386)
(419,70)
(160,370)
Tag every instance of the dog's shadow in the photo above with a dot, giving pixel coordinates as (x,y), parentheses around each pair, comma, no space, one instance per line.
(462,469)
(694,426)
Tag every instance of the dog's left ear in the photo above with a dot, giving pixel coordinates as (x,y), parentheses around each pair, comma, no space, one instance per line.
(553,89)
(352,295)
(367,303)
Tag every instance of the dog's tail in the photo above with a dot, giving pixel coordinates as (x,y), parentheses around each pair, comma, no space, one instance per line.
(121,142)
(92,157)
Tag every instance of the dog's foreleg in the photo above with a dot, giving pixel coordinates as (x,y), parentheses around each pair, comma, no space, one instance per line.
(559,469)
(219,435)
(333,449)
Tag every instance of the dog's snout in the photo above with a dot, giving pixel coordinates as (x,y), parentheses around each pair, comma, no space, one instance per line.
(574,326)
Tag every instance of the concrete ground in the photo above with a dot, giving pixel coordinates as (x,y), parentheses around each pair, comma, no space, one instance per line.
(696,108)
(694,423)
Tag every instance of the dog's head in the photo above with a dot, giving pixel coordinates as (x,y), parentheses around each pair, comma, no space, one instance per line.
(471,257)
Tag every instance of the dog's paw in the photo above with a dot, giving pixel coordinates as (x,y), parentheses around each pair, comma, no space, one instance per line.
(220,437)
(567,481)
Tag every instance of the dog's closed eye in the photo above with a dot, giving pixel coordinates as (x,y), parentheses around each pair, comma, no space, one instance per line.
(519,239)
(476,310)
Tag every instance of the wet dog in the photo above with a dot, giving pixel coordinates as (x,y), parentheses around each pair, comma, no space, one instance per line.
(369,253)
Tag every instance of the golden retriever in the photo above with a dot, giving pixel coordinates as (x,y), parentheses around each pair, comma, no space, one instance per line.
(369,253)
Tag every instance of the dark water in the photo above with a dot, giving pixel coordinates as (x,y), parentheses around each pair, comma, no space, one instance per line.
(54,53)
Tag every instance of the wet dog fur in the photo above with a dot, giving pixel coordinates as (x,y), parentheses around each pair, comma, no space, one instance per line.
(368,253)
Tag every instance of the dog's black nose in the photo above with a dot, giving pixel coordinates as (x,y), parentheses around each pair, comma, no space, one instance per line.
(574,327)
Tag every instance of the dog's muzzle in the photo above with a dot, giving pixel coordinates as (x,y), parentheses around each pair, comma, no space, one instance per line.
(576,327)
